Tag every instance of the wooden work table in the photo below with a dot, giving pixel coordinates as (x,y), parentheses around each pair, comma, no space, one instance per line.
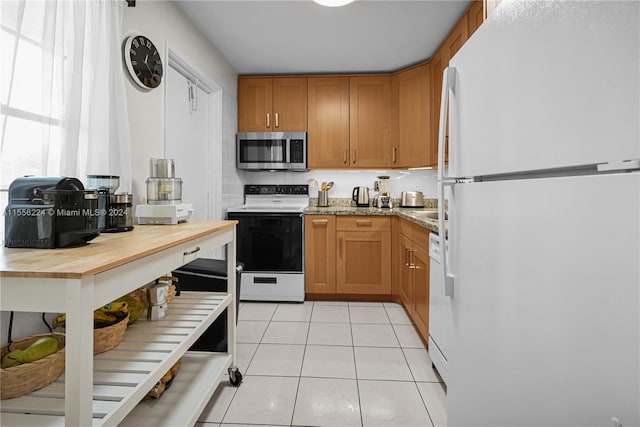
(78,280)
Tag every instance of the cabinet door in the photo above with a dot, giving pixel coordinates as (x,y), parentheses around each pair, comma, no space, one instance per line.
(364,262)
(405,289)
(255,99)
(370,121)
(475,16)
(414,111)
(458,36)
(328,126)
(420,308)
(289,104)
(320,254)
(438,64)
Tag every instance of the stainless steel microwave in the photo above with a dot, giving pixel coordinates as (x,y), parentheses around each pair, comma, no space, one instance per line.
(272,151)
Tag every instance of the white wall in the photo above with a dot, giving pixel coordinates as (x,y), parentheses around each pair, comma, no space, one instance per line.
(164,23)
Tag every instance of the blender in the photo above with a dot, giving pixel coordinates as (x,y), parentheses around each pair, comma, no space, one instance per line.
(382,186)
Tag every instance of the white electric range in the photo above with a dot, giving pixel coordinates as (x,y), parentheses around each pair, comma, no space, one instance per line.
(270,242)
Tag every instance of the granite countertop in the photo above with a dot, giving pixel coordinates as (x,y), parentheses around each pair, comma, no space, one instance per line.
(344,207)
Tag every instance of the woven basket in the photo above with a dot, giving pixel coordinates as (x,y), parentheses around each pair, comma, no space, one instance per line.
(106,338)
(22,379)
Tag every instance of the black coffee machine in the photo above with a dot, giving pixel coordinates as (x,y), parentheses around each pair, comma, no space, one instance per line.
(49,212)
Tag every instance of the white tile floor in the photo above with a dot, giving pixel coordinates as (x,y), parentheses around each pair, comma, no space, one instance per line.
(328,364)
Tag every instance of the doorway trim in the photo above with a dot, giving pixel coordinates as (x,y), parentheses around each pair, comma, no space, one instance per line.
(213,175)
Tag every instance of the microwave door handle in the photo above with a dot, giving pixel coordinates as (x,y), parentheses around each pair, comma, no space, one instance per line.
(287,151)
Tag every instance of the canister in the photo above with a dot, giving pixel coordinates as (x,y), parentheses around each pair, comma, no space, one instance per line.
(162,168)
(323,198)
(120,212)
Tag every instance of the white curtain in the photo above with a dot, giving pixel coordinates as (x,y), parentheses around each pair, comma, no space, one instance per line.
(63,98)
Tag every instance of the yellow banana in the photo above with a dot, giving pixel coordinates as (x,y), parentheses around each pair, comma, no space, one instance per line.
(10,359)
(102,316)
(114,306)
(39,349)
(59,321)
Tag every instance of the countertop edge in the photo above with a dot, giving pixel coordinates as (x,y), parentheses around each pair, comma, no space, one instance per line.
(403,213)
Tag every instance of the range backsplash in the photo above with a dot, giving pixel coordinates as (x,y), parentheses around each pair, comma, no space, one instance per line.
(345,180)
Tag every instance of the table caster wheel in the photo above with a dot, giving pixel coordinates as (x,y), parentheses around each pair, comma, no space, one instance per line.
(235,377)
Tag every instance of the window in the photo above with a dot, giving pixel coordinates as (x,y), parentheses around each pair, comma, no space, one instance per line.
(31,113)
(62,100)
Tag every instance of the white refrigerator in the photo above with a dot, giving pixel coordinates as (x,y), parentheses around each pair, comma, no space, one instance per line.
(543,186)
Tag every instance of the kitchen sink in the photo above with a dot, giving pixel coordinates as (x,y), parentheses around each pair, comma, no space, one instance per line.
(426,214)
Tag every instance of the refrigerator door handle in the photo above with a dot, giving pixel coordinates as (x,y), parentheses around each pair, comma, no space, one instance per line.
(447,277)
(448,85)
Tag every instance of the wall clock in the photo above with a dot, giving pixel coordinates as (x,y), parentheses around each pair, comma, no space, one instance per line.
(143,61)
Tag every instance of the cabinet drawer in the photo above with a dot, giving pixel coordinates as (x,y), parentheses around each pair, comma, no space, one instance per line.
(363,223)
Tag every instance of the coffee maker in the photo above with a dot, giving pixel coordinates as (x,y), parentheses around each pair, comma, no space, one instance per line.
(383,199)
(49,212)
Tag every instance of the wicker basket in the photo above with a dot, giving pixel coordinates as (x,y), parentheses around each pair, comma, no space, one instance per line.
(22,379)
(106,338)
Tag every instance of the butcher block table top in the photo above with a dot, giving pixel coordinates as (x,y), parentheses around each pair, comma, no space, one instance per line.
(106,251)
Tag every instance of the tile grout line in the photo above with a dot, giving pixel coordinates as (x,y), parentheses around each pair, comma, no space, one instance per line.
(415,383)
(355,367)
(304,352)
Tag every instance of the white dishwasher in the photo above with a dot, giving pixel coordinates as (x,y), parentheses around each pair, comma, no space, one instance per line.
(440,315)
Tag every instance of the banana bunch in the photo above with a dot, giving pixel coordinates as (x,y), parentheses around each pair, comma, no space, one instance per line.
(36,351)
(106,315)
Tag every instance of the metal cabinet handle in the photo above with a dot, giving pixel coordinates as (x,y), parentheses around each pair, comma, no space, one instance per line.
(320,221)
(412,264)
(363,222)
(406,257)
(354,155)
(346,153)
(197,249)
(277,123)
(394,154)
(340,247)
(268,120)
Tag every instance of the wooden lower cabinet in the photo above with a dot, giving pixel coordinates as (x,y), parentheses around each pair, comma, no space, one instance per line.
(320,254)
(363,263)
(411,261)
(420,305)
(405,284)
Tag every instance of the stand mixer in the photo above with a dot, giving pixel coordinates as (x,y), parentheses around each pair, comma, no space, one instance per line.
(383,199)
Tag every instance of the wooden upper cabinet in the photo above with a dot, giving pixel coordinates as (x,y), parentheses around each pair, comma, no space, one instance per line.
(458,36)
(255,99)
(276,104)
(413,148)
(475,15)
(370,121)
(438,64)
(290,104)
(328,126)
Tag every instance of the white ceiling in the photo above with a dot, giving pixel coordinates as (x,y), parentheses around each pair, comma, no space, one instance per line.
(299,36)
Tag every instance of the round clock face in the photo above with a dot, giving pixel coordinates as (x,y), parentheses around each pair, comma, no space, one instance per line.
(143,61)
